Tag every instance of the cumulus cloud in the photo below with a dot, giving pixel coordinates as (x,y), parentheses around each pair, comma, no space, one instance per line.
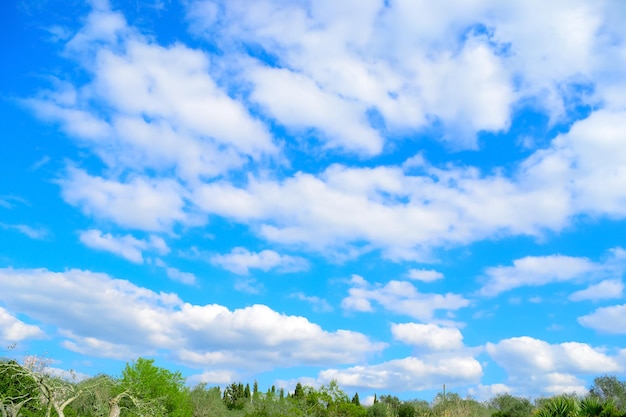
(401,214)
(399,297)
(606,319)
(214,377)
(607,289)
(538,367)
(241,260)
(127,246)
(167,110)
(298,102)
(428,336)
(424,275)
(408,374)
(535,271)
(14,330)
(141,203)
(108,317)
(352,62)
(543,270)
(151,107)
(464,65)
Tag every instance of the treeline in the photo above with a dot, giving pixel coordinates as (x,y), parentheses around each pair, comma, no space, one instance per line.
(145,390)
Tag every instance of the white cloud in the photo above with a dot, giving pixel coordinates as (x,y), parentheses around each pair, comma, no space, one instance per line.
(167,110)
(214,377)
(399,297)
(248,285)
(241,260)
(14,330)
(403,215)
(298,102)
(180,276)
(152,107)
(535,271)
(408,374)
(610,320)
(543,270)
(465,65)
(607,289)
(371,59)
(424,275)
(538,367)
(106,317)
(487,392)
(428,336)
(319,304)
(139,203)
(175,274)
(31,232)
(127,246)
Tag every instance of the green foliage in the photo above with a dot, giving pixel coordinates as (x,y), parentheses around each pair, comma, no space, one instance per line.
(94,399)
(509,406)
(407,410)
(207,402)
(378,409)
(153,390)
(609,388)
(561,406)
(299,391)
(596,407)
(18,392)
(147,390)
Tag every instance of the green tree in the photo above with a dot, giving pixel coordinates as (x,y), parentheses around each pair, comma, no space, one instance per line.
(207,402)
(377,409)
(508,405)
(255,390)
(18,393)
(96,394)
(355,399)
(406,410)
(610,388)
(51,392)
(299,391)
(146,389)
(234,396)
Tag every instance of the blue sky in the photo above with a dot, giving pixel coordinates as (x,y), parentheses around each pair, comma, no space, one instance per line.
(392,194)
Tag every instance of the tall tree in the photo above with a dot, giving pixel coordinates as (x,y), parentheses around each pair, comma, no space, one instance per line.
(610,388)
(148,389)
(299,391)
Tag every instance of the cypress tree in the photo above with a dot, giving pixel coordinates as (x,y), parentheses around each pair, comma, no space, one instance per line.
(299,392)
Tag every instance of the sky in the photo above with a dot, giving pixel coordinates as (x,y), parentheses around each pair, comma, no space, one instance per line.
(392,194)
